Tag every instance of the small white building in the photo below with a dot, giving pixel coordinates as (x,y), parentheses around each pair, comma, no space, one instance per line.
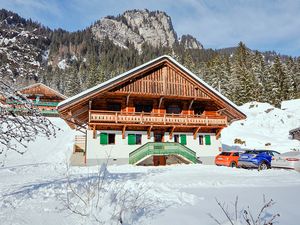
(155,114)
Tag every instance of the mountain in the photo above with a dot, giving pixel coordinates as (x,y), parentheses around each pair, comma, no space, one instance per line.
(74,61)
(23,46)
(141,26)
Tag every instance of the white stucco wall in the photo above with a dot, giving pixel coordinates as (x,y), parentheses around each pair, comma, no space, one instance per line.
(119,152)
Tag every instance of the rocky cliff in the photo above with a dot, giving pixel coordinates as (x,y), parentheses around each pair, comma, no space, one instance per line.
(139,27)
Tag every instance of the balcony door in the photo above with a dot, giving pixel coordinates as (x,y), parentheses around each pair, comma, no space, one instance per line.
(159,160)
(158,136)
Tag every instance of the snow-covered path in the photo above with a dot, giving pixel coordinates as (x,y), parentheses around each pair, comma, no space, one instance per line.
(32,186)
(187,192)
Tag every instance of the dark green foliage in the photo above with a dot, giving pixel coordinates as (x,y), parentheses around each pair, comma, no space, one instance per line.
(238,73)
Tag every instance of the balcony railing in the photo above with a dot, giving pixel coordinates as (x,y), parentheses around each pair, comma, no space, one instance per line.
(155,118)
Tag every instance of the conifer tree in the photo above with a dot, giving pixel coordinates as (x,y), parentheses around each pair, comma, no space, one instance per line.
(73,86)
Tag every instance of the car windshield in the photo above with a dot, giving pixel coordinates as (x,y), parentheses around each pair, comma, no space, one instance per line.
(225,153)
(251,152)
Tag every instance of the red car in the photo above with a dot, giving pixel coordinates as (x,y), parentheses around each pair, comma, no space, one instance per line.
(227,159)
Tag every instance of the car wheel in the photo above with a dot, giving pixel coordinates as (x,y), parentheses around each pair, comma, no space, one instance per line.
(263,166)
(233,164)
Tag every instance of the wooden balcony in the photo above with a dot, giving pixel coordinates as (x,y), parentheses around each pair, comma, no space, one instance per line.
(98,116)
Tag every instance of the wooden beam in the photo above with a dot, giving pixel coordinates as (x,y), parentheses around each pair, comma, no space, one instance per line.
(123,132)
(218,133)
(149,132)
(171,132)
(191,103)
(90,104)
(160,101)
(127,99)
(196,132)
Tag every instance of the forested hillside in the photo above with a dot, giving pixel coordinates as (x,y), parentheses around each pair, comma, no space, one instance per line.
(74,61)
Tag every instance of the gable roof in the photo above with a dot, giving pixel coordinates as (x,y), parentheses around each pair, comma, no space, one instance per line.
(62,105)
(44,86)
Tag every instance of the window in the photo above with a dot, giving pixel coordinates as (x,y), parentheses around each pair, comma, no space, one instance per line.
(207,140)
(176,138)
(134,139)
(173,108)
(183,139)
(198,110)
(111,139)
(225,153)
(114,107)
(143,108)
(200,139)
(107,139)
(235,154)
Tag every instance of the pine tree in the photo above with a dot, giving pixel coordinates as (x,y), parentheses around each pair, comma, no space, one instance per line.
(73,83)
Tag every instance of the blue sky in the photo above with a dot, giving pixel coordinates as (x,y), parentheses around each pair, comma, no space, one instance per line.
(261,24)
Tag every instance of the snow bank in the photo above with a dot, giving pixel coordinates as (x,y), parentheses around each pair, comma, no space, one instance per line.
(266,127)
(43,150)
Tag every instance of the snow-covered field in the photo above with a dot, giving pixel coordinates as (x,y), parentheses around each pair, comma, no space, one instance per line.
(33,186)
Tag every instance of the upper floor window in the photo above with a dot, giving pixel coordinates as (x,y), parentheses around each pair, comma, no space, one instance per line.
(173,108)
(143,108)
(114,106)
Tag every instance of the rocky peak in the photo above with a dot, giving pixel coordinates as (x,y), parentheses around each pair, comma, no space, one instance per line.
(189,42)
(138,27)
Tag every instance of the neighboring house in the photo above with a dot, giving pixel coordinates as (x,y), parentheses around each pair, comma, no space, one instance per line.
(295,133)
(155,114)
(43,97)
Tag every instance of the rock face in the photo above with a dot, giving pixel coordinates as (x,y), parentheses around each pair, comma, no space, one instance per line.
(138,27)
(189,42)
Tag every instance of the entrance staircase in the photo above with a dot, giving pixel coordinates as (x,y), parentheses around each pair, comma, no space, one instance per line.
(162,149)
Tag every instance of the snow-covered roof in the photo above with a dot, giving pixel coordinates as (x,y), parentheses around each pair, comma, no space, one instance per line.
(124,75)
(45,86)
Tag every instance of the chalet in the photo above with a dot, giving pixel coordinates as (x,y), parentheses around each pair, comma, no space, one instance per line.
(155,114)
(43,97)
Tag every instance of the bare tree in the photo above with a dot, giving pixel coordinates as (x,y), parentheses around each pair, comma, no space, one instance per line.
(18,129)
(245,216)
(104,199)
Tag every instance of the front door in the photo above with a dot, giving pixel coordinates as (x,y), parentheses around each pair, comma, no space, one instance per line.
(159,160)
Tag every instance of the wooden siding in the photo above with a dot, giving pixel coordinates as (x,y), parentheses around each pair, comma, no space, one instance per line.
(163,81)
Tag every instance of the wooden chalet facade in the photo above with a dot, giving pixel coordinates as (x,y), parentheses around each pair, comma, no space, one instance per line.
(155,114)
(43,97)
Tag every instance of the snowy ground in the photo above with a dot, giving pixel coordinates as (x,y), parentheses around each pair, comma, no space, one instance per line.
(266,127)
(33,186)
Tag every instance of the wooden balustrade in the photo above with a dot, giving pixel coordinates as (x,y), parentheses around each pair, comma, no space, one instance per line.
(99,116)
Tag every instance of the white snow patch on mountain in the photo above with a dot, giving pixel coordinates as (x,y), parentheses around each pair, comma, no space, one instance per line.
(62,64)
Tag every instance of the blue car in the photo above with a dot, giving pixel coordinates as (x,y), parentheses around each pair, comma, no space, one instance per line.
(260,159)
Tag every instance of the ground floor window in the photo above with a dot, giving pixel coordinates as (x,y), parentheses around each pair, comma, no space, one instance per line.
(200,139)
(111,139)
(134,139)
(107,139)
(176,138)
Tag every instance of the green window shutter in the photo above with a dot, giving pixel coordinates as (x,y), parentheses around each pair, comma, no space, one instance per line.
(207,140)
(183,139)
(131,139)
(103,139)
